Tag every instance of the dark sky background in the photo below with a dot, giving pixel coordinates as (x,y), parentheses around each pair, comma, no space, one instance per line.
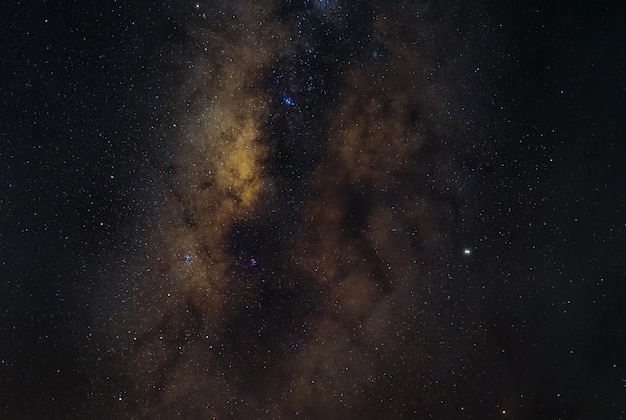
(312,209)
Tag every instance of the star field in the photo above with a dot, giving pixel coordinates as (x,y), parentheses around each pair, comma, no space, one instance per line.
(312,209)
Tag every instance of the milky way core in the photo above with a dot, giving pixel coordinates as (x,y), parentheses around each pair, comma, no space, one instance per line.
(312,209)
(310,221)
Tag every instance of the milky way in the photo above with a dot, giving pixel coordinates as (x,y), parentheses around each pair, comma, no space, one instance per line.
(312,220)
(315,209)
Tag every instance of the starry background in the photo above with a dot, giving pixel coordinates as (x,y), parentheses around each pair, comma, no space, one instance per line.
(312,209)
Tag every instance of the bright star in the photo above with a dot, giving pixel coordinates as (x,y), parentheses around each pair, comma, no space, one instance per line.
(288,101)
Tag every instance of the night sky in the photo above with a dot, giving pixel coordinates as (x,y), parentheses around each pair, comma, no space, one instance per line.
(312,209)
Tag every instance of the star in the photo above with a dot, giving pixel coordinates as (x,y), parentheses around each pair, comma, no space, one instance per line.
(287,100)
